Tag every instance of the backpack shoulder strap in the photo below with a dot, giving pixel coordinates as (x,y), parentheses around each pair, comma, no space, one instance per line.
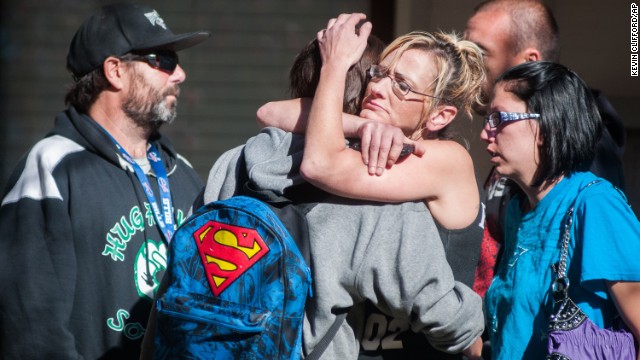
(328,337)
(291,208)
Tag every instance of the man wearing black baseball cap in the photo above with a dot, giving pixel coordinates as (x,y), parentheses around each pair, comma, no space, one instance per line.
(88,213)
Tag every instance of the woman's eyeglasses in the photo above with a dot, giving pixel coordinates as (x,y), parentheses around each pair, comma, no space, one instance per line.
(161,60)
(400,87)
(498,117)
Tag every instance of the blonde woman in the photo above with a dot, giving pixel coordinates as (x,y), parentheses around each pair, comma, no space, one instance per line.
(420,84)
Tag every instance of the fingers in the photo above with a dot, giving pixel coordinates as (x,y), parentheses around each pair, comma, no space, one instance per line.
(350,21)
(389,150)
(400,149)
(392,147)
(365,30)
(340,43)
(418,148)
(394,151)
(331,22)
(374,152)
(382,146)
(365,141)
(376,144)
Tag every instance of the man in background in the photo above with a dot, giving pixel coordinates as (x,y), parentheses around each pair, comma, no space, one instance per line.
(511,32)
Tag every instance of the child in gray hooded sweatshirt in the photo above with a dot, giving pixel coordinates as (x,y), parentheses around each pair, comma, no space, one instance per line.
(389,254)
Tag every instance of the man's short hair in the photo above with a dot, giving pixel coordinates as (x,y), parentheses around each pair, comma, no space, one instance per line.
(532,25)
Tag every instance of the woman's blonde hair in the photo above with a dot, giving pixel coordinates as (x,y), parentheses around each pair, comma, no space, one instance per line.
(459,68)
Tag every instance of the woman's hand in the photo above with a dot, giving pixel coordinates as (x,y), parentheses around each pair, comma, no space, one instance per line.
(381,145)
(340,43)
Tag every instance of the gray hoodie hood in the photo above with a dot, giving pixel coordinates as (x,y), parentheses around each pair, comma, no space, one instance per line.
(271,159)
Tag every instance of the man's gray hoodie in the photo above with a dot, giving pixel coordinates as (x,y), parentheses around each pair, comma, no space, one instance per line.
(389,254)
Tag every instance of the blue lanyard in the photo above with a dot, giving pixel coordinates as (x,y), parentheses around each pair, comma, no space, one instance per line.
(165,217)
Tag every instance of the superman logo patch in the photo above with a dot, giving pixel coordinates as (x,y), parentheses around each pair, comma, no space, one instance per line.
(227,251)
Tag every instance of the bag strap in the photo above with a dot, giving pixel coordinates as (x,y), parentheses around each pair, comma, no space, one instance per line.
(291,208)
(328,337)
(560,286)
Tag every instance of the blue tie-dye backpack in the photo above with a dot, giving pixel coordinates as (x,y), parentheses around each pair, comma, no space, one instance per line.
(237,283)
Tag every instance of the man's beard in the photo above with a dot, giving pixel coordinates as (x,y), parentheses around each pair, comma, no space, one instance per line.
(147,106)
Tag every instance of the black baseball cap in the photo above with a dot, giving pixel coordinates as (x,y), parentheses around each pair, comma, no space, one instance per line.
(121,28)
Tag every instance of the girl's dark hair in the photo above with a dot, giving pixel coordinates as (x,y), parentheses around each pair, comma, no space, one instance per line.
(570,125)
(305,73)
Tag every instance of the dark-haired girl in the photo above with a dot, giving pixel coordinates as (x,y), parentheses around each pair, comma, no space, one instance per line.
(542,133)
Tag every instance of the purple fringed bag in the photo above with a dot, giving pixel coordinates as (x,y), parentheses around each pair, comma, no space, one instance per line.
(572,336)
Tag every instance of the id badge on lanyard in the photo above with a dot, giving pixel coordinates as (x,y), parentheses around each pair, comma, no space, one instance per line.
(164,213)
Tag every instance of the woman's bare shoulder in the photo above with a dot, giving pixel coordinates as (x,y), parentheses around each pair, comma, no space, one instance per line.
(449,153)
